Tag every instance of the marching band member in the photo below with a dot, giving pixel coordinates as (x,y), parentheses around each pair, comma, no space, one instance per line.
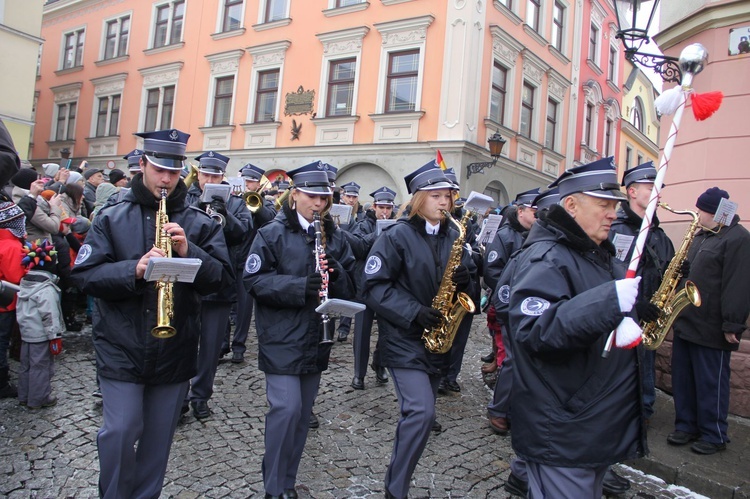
(402,276)
(280,273)
(350,197)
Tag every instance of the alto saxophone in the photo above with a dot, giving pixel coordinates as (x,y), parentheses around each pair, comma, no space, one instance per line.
(440,338)
(667,298)
(164,304)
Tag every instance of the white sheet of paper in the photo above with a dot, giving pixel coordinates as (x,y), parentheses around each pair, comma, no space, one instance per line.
(492,223)
(622,245)
(478,203)
(382,224)
(341,213)
(172,269)
(237,184)
(725,212)
(211,190)
(340,308)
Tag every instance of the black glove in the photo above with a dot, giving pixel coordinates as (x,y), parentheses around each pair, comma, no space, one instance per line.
(333,271)
(313,284)
(647,311)
(685,268)
(428,317)
(461,277)
(219,205)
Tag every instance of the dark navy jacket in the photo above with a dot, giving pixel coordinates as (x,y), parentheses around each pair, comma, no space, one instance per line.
(280,259)
(576,409)
(361,238)
(125,308)
(508,240)
(402,274)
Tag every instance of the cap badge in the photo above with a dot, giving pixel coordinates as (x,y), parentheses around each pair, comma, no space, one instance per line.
(174,135)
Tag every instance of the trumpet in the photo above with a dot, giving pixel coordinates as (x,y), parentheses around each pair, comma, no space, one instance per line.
(218,217)
(253,201)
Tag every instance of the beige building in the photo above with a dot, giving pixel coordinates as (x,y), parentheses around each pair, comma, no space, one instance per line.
(639,136)
(20,28)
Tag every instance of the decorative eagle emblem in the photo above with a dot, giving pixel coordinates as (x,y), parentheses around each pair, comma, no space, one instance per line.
(296,129)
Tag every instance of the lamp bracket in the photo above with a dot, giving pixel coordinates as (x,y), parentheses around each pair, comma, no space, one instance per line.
(666,66)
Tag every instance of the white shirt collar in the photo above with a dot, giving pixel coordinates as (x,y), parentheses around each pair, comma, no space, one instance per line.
(431,229)
(303,223)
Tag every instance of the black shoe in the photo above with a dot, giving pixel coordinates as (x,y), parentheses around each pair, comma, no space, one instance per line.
(614,484)
(442,389)
(358,383)
(381,375)
(238,358)
(289,494)
(682,437)
(97,394)
(223,352)
(314,423)
(436,427)
(200,409)
(8,391)
(488,358)
(452,386)
(515,486)
(707,448)
(271,496)
(388,495)
(343,335)
(185,408)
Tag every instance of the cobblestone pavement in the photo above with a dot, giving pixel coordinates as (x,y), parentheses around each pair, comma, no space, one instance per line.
(52,452)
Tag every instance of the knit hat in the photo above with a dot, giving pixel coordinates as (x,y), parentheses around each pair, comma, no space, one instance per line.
(13,219)
(51,169)
(115,176)
(74,177)
(24,177)
(709,200)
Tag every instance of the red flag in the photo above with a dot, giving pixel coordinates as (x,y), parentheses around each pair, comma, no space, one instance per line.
(440,160)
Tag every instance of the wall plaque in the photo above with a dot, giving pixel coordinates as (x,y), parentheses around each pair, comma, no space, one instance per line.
(299,102)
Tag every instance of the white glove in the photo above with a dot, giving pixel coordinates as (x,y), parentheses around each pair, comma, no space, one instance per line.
(628,333)
(627,292)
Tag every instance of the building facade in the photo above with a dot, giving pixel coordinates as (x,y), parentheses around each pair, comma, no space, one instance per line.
(373,87)
(20,28)
(640,127)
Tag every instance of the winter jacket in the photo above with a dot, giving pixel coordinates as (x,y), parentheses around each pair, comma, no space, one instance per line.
(575,408)
(125,308)
(46,219)
(363,236)
(11,269)
(508,240)
(402,274)
(280,259)
(719,267)
(39,314)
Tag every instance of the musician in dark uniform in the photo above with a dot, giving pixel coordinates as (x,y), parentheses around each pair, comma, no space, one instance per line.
(402,277)
(367,232)
(144,379)
(350,198)
(235,221)
(252,176)
(581,412)
(134,161)
(280,273)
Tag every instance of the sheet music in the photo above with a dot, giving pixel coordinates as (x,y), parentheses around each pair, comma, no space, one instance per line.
(622,244)
(211,190)
(478,203)
(340,308)
(341,213)
(382,224)
(725,212)
(172,269)
(237,184)
(492,224)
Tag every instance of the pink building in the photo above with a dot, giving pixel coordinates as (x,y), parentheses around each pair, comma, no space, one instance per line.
(374,88)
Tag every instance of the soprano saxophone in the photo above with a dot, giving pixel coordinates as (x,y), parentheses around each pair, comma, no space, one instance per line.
(451,305)
(164,303)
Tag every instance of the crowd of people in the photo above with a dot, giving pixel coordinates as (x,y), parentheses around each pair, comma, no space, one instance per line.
(553,274)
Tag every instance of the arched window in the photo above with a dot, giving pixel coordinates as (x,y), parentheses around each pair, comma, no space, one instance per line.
(636,114)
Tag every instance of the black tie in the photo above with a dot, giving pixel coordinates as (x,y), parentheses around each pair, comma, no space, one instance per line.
(311,231)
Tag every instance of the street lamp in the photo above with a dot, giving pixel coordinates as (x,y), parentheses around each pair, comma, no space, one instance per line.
(633,30)
(496,143)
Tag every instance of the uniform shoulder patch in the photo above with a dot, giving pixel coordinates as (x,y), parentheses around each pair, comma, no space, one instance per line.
(83,254)
(534,306)
(503,293)
(373,265)
(492,256)
(252,264)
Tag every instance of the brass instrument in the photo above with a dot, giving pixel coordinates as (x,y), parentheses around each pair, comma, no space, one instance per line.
(254,199)
(326,323)
(192,175)
(667,298)
(164,300)
(218,217)
(440,338)
(282,199)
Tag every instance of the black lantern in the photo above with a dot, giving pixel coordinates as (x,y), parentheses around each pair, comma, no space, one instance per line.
(496,143)
(633,24)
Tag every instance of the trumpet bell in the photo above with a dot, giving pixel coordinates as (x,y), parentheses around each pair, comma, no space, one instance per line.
(252,200)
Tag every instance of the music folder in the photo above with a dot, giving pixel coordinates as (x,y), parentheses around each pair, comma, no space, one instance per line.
(164,269)
(340,308)
(211,190)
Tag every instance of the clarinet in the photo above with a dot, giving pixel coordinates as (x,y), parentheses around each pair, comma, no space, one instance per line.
(319,252)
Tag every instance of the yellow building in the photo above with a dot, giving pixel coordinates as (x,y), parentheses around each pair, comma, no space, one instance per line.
(639,137)
(20,27)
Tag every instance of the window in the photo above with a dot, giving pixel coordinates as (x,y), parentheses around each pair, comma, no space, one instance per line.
(275,10)
(232,15)
(223,101)
(507,3)
(66,121)
(628,157)
(403,72)
(527,110)
(108,116)
(344,3)
(558,23)
(608,137)
(589,137)
(341,87)
(268,89)
(612,68)
(497,99)
(636,114)
(551,128)
(159,107)
(533,12)
(169,20)
(593,43)
(640,160)
(117,32)
(73,49)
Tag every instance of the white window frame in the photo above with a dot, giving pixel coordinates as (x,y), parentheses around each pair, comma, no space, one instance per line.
(162,76)
(222,12)
(598,14)
(262,12)
(558,118)
(565,27)
(222,65)
(614,51)
(332,4)
(152,28)
(542,17)
(61,64)
(592,95)
(535,110)
(64,94)
(505,50)
(107,87)
(266,58)
(103,45)
(339,45)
